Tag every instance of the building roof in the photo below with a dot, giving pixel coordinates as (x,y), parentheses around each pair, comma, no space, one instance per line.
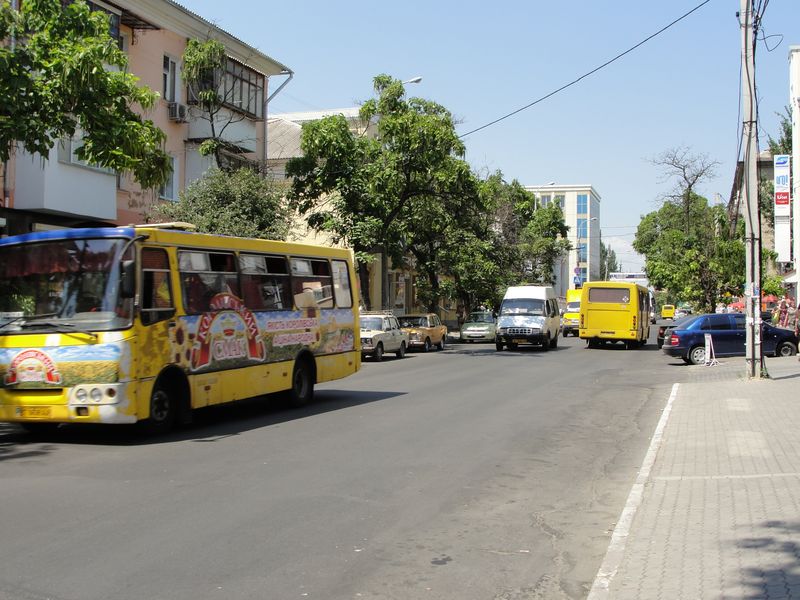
(283,139)
(168,14)
(314,115)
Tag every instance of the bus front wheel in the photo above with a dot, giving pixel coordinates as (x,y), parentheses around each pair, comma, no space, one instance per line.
(163,410)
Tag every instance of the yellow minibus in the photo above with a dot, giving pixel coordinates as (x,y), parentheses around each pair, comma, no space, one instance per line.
(614,311)
(146,323)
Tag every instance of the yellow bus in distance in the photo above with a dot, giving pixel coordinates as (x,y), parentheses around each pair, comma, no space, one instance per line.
(571,318)
(614,311)
(146,323)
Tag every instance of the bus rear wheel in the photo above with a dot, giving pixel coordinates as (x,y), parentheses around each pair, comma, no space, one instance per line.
(302,390)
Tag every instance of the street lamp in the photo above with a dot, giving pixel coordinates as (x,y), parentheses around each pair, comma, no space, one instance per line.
(578,272)
(416,79)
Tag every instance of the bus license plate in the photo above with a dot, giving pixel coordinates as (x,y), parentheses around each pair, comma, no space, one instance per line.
(36,412)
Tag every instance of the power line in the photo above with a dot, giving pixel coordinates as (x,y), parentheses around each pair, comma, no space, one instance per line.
(585,75)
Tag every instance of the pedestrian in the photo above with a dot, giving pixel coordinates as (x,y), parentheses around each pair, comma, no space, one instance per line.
(783,313)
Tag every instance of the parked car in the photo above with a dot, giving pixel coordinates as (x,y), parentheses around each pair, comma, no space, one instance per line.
(381,333)
(665,327)
(728,335)
(480,326)
(425,330)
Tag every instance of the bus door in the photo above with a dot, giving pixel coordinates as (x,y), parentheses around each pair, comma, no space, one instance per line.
(157,314)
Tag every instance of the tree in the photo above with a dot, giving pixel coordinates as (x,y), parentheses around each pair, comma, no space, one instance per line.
(374,192)
(204,64)
(697,267)
(54,83)
(783,145)
(608,261)
(543,241)
(484,253)
(239,203)
(689,170)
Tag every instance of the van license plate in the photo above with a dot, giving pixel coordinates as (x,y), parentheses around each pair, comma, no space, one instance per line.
(36,412)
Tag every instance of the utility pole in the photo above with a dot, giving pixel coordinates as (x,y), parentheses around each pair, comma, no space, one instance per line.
(794,101)
(752,292)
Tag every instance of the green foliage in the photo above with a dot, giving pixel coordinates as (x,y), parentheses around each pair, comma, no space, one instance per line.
(202,62)
(240,203)
(608,261)
(773,286)
(543,241)
(698,266)
(398,191)
(783,145)
(54,83)
(203,69)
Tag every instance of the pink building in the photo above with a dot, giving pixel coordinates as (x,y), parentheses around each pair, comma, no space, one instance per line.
(63,192)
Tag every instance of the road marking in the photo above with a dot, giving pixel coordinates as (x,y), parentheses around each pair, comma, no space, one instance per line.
(616,547)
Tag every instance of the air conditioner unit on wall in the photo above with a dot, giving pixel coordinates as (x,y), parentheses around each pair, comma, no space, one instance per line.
(177,112)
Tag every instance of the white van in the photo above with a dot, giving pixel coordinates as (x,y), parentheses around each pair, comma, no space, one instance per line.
(528,315)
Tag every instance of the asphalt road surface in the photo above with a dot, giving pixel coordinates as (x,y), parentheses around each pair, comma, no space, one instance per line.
(462,474)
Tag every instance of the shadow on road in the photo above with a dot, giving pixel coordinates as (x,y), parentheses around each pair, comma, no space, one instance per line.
(209,424)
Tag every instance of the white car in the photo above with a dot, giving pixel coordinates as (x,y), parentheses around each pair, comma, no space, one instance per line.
(381,333)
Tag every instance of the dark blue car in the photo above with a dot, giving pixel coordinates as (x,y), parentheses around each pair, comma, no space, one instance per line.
(728,334)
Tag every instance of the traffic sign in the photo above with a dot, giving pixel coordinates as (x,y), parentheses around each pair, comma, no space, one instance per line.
(577,270)
(576,280)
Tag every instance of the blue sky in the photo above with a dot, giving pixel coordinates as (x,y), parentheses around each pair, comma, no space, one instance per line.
(484,60)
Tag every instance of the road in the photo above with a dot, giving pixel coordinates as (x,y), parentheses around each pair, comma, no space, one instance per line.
(459,474)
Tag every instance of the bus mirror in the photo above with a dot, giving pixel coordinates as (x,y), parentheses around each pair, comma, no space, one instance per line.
(128,285)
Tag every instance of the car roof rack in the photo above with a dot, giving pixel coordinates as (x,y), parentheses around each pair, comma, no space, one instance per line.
(181,225)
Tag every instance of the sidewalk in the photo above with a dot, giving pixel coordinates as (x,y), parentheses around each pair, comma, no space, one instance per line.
(715,512)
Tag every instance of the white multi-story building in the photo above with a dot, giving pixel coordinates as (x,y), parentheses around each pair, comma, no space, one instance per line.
(581,207)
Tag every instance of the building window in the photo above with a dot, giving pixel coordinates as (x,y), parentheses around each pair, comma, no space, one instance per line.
(582,229)
(167,190)
(244,89)
(583,275)
(559,199)
(170,77)
(113,18)
(67,153)
(582,251)
(583,204)
(545,200)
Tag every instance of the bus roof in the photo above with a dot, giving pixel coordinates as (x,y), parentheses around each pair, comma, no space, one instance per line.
(68,234)
(173,235)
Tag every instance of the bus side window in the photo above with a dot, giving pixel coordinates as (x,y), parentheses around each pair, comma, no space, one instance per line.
(156,297)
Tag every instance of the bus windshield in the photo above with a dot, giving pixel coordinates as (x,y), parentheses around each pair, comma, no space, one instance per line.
(61,285)
(522,306)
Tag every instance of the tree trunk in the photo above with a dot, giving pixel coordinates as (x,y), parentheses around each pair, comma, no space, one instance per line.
(363,280)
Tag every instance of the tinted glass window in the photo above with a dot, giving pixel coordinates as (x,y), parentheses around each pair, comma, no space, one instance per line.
(265,282)
(614,295)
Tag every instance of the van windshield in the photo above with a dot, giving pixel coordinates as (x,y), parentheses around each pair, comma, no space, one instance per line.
(522,306)
(573,306)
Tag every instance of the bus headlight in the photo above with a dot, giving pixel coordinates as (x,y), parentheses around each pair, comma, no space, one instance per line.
(98,393)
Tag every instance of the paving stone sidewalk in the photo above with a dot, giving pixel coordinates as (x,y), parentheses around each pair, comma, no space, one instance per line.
(718,515)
